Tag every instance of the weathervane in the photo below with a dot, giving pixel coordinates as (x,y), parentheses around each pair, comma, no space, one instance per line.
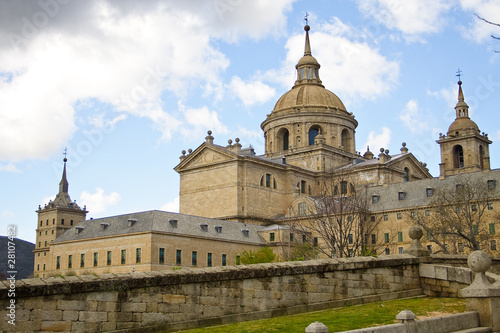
(306,18)
(65,153)
(459,74)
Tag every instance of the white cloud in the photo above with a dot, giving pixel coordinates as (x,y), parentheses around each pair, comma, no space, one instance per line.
(7,213)
(9,167)
(413,117)
(378,140)
(353,70)
(117,52)
(411,17)
(201,120)
(250,93)
(99,201)
(171,206)
(478,30)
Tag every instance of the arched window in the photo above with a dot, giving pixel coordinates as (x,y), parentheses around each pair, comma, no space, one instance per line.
(283,139)
(458,157)
(345,139)
(313,132)
(268,180)
(286,136)
(406,174)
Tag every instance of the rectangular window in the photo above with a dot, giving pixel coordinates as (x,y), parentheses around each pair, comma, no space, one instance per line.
(401,195)
(268,180)
(374,239)
(71,222)
(491,227)
(291,237)
(492,184)
(493,245)
(224,259)
(315,241)
(375,199)
(178,257)
(124,257)
(460,247)
(82,260)
(58,262)
(194,258)
(474,208)
(209,259)
(343,187)
(427,213)
(108,258)
(238,260)
(386,237)
(271,237)
(399,216)
(53,221)
(386,217)
(62,221)
(413,214)
(400,250)
(302,209)
(429,192)
(70,261)
(304,238)
(302,186)
(490,206)
(400,236)
(350,238)
(429,247)
(96,258)
(161,258)
(138,256)
(372,218)
(387,251)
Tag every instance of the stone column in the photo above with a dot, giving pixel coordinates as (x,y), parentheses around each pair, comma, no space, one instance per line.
(481,295)
(416,249)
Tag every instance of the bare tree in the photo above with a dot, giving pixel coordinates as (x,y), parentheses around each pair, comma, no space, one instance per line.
(338,222)
(455,219)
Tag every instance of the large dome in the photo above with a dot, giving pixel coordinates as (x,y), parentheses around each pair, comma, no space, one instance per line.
(309,96)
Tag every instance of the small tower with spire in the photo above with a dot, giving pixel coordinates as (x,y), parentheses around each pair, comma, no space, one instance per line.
(55,218)
(464,148)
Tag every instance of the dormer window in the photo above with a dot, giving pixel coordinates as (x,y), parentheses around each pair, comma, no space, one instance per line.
(204,227)
(131,222)
(245,232)
(429,192)
(79,229)
(218,229)
(375,199)
(103,225)
(173,223)
(492,184)
(402,195)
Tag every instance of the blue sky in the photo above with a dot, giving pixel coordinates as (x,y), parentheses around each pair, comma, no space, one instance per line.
(127,85)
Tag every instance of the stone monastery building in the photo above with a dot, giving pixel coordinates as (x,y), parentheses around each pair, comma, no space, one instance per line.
(232,200)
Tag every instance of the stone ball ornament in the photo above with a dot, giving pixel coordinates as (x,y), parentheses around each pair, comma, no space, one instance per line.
(416,232)
(479,261)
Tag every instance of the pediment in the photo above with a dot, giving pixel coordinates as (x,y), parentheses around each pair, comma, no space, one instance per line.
(409,161)
(205,155)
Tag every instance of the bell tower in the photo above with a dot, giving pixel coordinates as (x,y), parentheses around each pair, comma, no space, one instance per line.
(54,219)
(463,149)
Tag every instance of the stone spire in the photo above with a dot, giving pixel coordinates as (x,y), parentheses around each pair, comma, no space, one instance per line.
(462,109)
(64,185)
(308,66)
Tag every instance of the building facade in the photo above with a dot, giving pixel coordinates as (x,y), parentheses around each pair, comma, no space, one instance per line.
(233,200)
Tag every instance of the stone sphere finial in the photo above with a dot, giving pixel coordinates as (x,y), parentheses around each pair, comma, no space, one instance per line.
(479,261)
(190,150)
(230,141)
(387,151)
(209,132)
(416,232)
(183,152)
(381,150)
(237,140)
(404,144)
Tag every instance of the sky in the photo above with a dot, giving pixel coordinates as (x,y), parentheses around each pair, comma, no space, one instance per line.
(127,85)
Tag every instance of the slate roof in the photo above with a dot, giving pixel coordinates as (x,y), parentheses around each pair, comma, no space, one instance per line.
(415,191)
(159,221)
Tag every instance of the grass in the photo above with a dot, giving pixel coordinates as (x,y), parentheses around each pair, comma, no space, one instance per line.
(346,318)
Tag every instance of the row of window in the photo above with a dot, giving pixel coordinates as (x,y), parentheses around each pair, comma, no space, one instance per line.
(138,258)
(429,192)
(54,222)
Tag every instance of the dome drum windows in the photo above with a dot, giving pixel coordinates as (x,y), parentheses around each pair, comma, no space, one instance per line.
(283,139)
(313,132)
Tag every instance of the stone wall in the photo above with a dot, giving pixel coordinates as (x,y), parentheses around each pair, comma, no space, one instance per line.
(187,298)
